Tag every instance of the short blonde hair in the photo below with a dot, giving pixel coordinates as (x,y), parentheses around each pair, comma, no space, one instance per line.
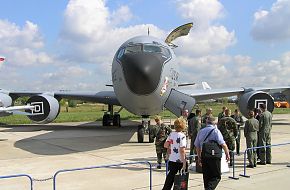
(180,124)
(157,118)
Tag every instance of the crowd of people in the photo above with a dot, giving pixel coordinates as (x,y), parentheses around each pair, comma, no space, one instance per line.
(171,145)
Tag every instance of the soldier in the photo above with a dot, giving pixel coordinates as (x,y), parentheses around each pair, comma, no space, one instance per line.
(222,114)
(265,126)
(205,116)
(250,132)
(193,128)
(160,132)
(240,122)
(229,130)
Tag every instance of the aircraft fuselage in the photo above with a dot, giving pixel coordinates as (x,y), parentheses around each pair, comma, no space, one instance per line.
(144,70)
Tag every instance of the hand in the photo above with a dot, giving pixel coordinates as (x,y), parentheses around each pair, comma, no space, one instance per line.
(199,161)
(227,157)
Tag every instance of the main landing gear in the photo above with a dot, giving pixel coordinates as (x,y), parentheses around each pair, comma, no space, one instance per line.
(145,129)
(110,118)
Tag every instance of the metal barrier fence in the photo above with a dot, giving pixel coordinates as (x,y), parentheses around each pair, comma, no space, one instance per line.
(194,155)
(19,175)
(254,148)
(104,166)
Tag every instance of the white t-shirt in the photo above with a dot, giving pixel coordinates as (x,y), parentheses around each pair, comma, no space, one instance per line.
(176,141)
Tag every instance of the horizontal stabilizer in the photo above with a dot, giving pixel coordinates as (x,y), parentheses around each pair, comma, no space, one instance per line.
(205,86)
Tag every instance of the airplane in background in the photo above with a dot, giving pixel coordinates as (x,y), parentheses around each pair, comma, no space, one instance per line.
(145,78)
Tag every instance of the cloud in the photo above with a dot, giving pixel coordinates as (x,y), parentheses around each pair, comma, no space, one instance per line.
(207,37)
(122,15)
(223,71)
(22,46)
(211,40)
(202,11)
(272,25)
(92,30)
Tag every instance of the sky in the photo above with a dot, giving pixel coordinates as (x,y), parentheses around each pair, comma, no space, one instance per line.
(69,44)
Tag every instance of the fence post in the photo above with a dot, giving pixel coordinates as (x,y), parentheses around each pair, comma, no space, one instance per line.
(233,177)
(245,155)
(19,175)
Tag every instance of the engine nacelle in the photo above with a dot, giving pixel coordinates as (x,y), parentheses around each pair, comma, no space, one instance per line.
(251,100)
(5,100)
(46,108)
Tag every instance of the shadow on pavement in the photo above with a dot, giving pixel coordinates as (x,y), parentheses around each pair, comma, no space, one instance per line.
(61,139)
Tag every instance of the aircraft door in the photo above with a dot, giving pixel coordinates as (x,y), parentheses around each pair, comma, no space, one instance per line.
(177,102)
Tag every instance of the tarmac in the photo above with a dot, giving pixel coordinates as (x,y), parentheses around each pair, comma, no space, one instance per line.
(41,150)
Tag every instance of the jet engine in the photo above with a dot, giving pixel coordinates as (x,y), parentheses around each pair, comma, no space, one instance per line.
(251,100)
(46,108)
(5,100)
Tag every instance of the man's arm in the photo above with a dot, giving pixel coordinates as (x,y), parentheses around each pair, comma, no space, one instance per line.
(246,129)
(198,151)
(225,147)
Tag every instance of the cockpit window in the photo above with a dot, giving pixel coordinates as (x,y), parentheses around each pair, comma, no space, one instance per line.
(157,49)
(133,49)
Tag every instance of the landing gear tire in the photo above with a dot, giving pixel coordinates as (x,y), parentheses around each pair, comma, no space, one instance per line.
(117,120)
(150,135)
(106,118)
(140,134)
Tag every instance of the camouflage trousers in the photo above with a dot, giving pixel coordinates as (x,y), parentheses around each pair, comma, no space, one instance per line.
(160,150)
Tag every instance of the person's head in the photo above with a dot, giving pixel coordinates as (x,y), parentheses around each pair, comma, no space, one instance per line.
(237,112)
(224,108)
(180,124)
(157,119)
(198,112)
(191,115)
(185,113)
(209,111)
(210,120)
(251,113)
(262,107)
(228,112)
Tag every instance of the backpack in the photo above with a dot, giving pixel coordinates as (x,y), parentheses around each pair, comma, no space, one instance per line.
(211,149)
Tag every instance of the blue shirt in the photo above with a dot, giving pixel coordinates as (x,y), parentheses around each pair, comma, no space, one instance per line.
(215,135)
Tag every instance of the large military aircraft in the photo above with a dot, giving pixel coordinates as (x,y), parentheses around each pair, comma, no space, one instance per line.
(145,79)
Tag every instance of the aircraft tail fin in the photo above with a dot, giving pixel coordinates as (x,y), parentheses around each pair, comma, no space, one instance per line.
(205,86)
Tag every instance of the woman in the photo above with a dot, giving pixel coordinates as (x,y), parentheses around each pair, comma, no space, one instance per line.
(175,144)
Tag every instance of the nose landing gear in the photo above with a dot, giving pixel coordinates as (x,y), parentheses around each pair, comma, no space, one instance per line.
(145,128)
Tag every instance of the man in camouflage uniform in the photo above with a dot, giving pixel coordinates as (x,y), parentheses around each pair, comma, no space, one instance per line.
(222,114)
(205,116)
(240,122)
(160,132)
(229,130)
(250,132)
(193,128)
(265,126)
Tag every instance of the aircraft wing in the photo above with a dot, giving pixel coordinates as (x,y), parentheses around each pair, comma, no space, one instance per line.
(207,94)
(106,97)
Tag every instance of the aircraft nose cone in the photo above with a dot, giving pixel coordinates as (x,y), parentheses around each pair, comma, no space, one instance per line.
(142,72)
